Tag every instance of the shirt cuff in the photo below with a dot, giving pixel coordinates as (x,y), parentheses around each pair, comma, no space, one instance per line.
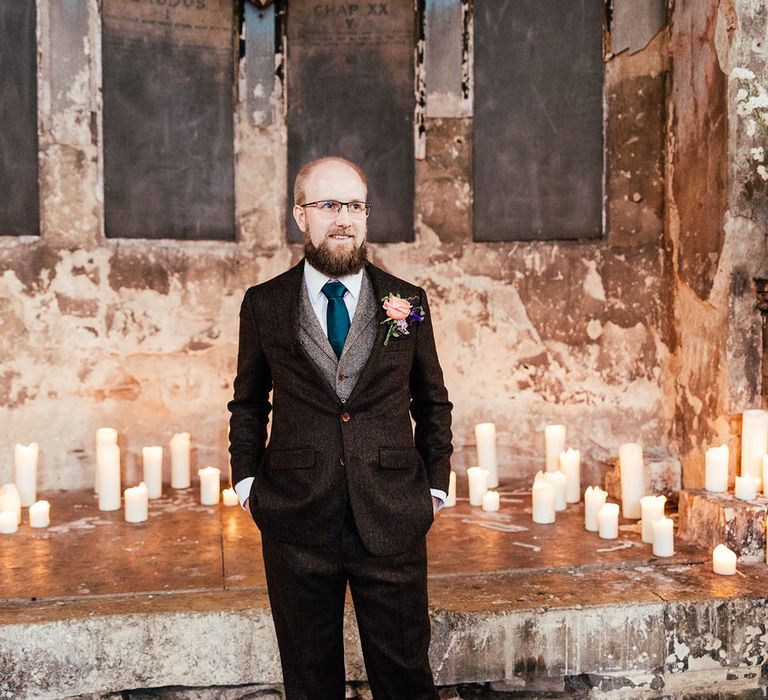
(243,489)
(441,495)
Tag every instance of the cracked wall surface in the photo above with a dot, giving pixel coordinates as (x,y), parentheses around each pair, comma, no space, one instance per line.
(142,335)
(716,229)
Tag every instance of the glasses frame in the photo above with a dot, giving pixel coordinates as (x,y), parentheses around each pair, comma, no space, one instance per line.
(367,205)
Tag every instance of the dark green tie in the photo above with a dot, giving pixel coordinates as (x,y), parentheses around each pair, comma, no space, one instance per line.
(337,315)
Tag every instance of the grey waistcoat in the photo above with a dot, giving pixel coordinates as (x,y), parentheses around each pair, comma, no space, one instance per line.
(342,373)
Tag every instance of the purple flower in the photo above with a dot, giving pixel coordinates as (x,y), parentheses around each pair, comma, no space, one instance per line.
(416,315)
(402,325)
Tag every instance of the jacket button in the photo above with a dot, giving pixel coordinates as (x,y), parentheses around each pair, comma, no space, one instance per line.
(341,461)
(341,377)
(345,417)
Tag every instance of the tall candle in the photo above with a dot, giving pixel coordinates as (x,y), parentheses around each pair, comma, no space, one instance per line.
(109,477)
(608,521)
(543,500)
(754,441)
(229,497)
(478,485)
(746,488)
(180,475)
(716,469)
(40,514)
(632,479)
(105,437)
(25,471)
(558,481)
(451,500)
(663,537)
(554,444)
(210,485)
(652,509)
(485,439)
(570,465)
(594,498)
(137,504)
(723,561)
(153,470)
(8,523)
(491,501)
(10,500)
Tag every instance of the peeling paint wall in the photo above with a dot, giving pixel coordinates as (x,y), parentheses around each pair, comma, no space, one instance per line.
(716,229)
(142,335)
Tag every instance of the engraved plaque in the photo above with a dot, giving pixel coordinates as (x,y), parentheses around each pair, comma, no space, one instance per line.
(351,93)
(20,210)
(538,127)
(168,81)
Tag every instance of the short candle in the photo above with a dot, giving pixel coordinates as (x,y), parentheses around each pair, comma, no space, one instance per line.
(209,485)
(478,485)
(136,503)
(746,488)
(652,508)
(491,501)
(543,500)
(723,561)
(594,499)
(8,524)
(663,537)
(716,469)
(10,500)
(608,521)
(40,514)
(229,497)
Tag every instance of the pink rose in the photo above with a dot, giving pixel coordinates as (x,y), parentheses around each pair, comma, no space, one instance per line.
(397,308)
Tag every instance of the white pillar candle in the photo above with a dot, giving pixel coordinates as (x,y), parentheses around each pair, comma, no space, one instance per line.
(716,469)
(229,497)
(25,472)
(485,439)
(570,465)
(632,479)
(559,482)
(109,477)
(10,500)
(594,498)
(478,485)
(746,488)
(153,470)
(451,500)
(754,441)
(40,514)
(543,500)
(180,475)
(663,537)
(210,485)
(490,501)
(8,523)
(136,504)
(608,521)
(723,561)
(652,509)
(105,437)
(554,444)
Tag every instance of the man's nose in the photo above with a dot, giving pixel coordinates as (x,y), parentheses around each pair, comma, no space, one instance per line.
(342,218)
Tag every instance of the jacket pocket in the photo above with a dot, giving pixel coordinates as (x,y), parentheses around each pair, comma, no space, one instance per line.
(302,458)
(399,458)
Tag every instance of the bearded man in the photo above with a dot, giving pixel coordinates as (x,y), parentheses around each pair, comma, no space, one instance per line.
(346,487)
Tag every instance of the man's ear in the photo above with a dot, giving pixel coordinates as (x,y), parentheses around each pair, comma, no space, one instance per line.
(301,217)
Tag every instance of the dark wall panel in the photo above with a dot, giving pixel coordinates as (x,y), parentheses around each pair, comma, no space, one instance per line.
(168,76)
(19,204)
(538,133)
(350,93)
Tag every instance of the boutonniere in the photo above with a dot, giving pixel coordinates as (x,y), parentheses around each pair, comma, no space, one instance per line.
(400,313)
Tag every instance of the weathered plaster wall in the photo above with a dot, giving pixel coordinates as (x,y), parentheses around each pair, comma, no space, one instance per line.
(141,335)
(716,228)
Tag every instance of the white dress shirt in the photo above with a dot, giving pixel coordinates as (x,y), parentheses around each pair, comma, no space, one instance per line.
(315,281)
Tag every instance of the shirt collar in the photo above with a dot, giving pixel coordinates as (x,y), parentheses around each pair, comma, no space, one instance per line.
(315,280)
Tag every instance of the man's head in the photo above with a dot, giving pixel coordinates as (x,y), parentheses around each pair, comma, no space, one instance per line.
(334,239)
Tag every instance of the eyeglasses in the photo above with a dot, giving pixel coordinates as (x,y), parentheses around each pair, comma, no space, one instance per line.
(330,207)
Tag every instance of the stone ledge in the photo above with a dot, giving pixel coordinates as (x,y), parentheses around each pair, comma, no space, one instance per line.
(709,519)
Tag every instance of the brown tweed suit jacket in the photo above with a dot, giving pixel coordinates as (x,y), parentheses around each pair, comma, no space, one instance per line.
(327,453)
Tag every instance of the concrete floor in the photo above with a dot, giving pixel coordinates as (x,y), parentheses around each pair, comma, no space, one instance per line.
(511,601)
